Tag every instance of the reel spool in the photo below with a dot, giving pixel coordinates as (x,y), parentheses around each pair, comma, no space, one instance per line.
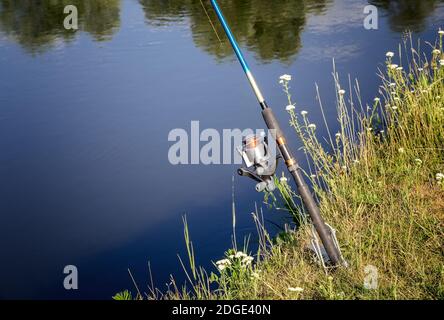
(259,161)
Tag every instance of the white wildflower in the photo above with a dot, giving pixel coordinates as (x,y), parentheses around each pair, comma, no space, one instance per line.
(240,254)
(290,107)
(418,161)
(420,69)
(341,92)
(221,267)
(441,32)
(255,275)
(399,68)
(441,62)
(312,126)
(283,179)
(304,113)
(285,77)
(247,260)
(389,54)
(297,289)
(376,100)
(436,51)
(392,84)
(223,262)
(393,66)
(439,176)
(394,108)
(338,135)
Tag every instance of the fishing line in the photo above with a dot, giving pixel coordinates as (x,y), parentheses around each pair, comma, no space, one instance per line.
(211,22)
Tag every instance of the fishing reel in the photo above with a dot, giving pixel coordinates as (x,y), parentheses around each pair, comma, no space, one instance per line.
(259,161)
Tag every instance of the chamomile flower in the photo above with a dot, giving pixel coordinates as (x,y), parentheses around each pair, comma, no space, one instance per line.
(255,275)
(296,289)
(304,113)
(341,92)
(247,260)
(389,54)
(223,262)
(290,107)
(285,77)
(312,126)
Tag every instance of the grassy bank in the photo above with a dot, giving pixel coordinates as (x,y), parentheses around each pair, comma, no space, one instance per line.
(379,181)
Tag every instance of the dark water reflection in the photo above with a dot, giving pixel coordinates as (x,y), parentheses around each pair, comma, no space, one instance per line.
(85,116)
(407,14)
(38,25)
(271,31)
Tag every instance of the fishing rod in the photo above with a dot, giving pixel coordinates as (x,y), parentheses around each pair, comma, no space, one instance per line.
(255,148)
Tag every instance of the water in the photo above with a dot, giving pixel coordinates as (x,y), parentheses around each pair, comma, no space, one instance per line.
(85,116)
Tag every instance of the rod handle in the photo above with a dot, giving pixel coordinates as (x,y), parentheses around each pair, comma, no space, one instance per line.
(307,197)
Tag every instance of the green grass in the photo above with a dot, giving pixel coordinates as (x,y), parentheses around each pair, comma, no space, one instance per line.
(378,181)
